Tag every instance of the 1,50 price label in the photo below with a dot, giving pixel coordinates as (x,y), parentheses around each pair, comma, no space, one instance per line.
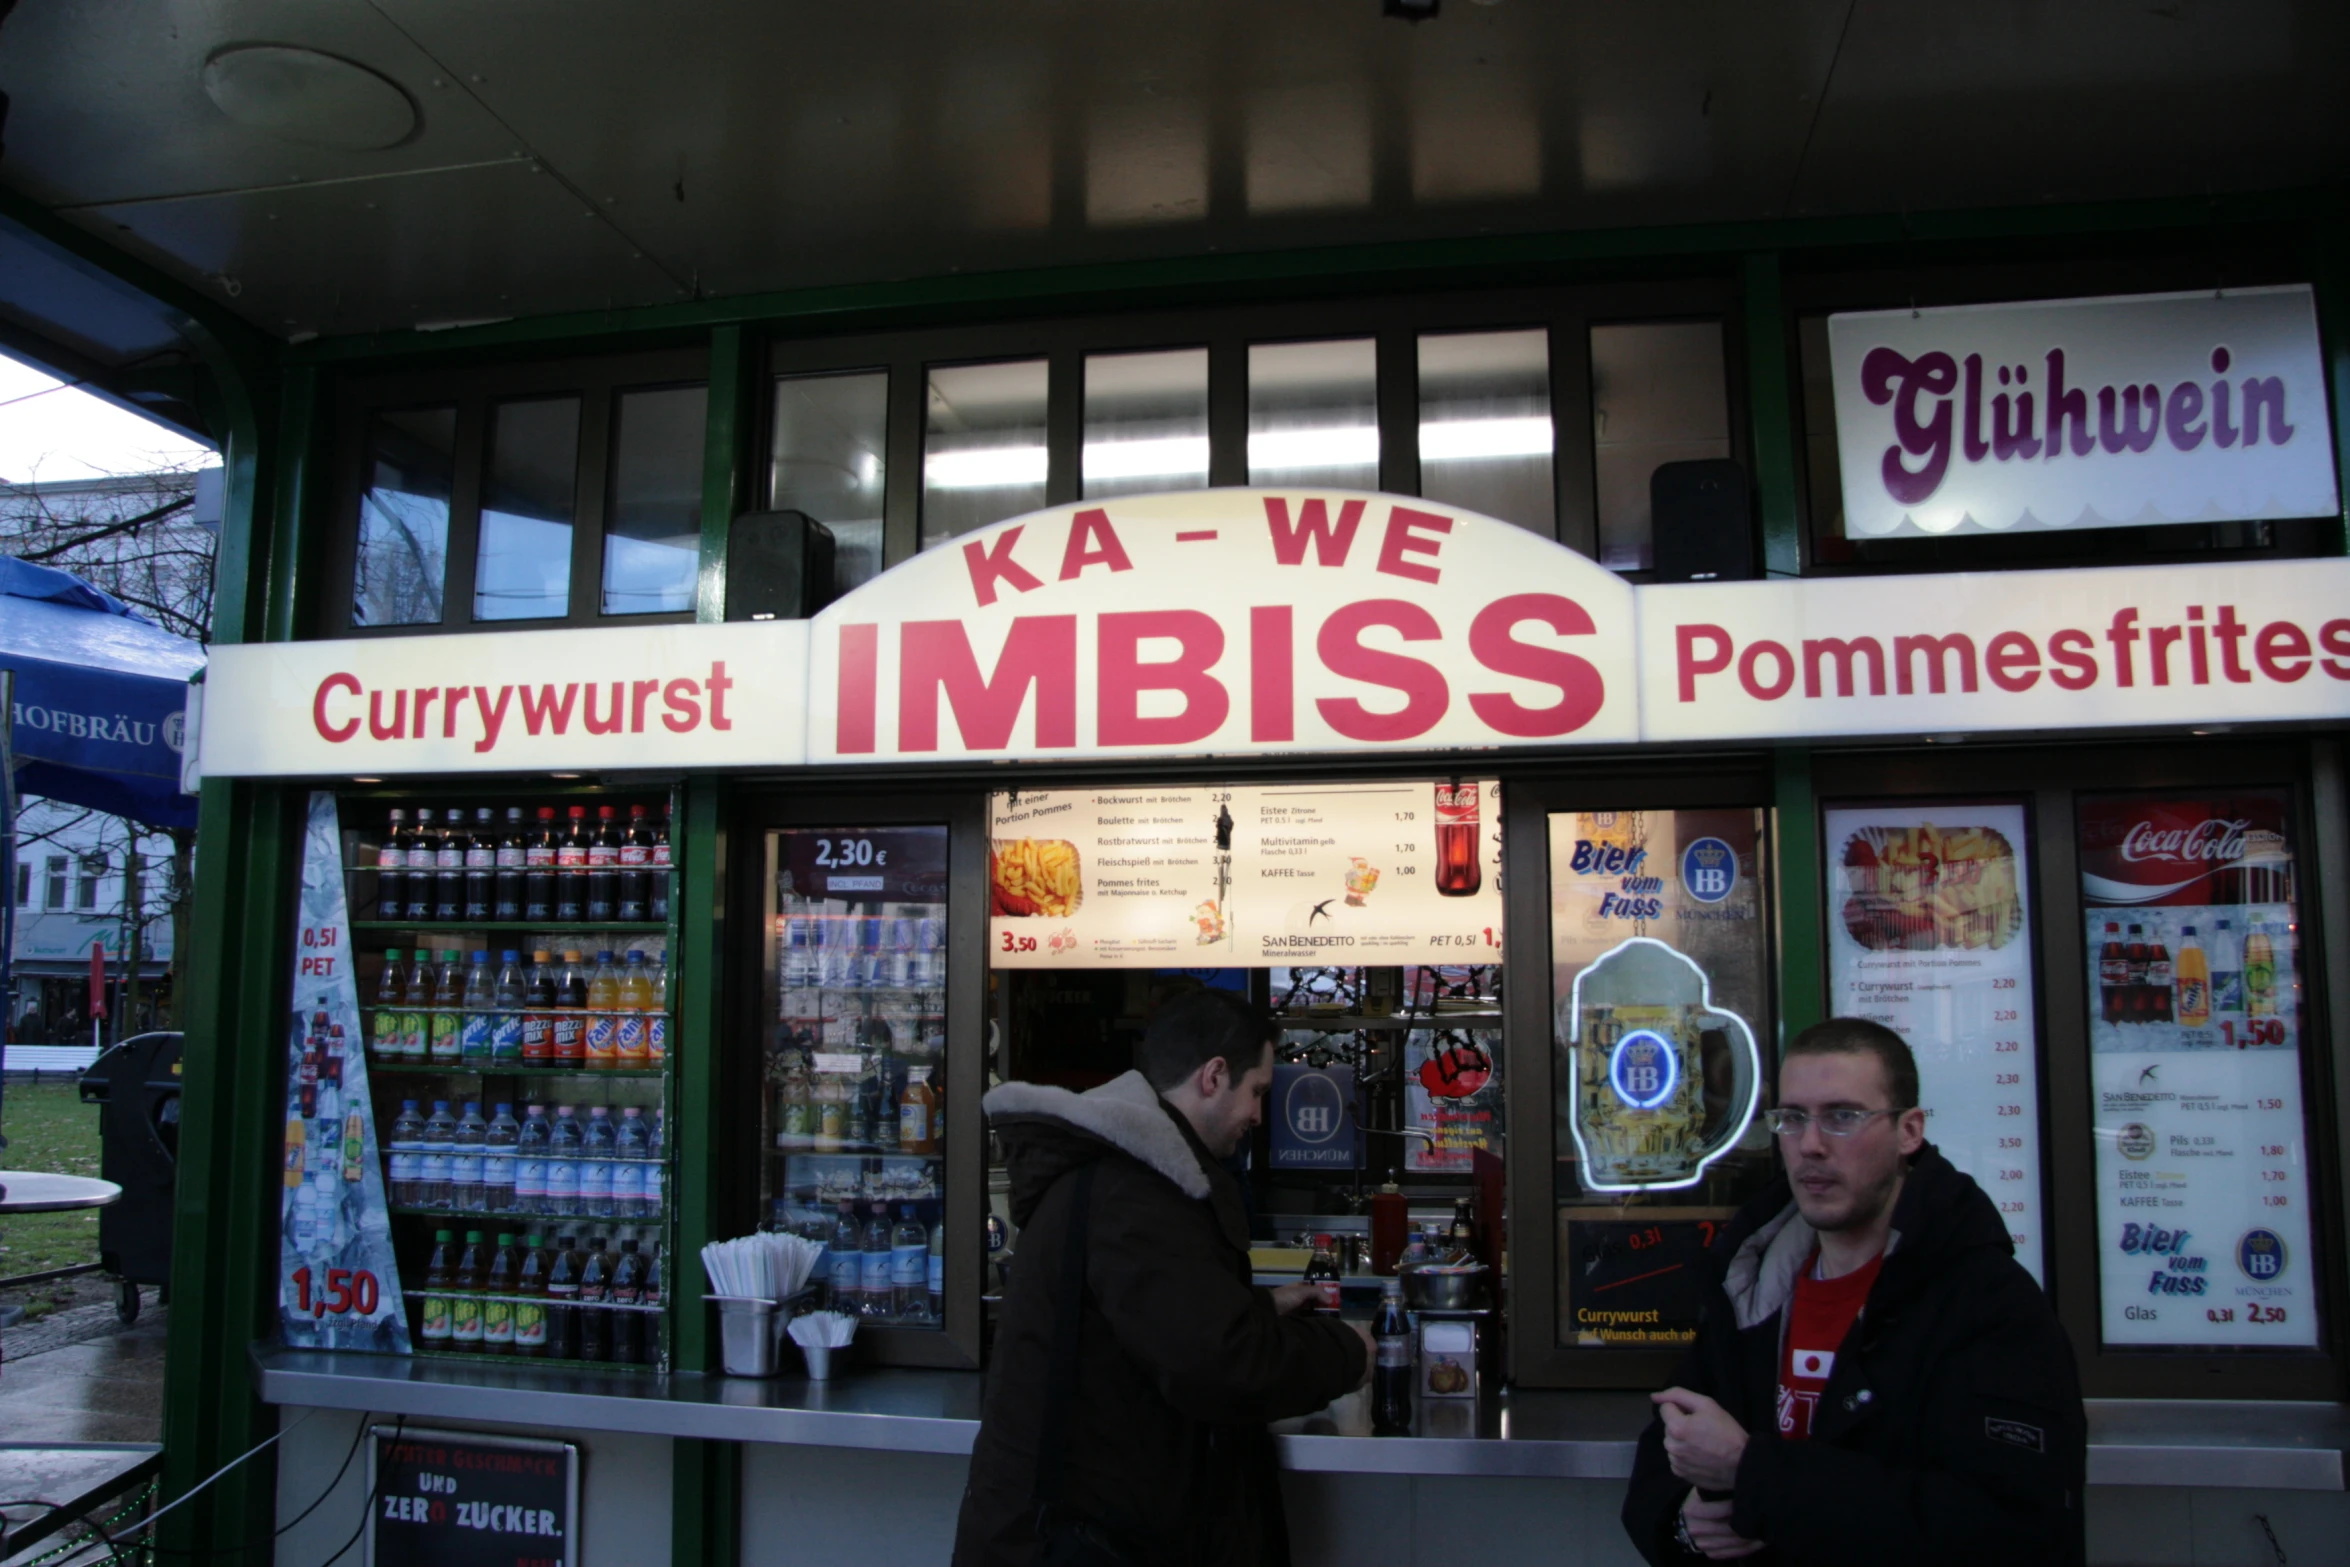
(346,1290)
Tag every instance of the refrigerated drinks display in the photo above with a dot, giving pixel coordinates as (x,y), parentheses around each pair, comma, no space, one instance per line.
(854,1113)
(514,974)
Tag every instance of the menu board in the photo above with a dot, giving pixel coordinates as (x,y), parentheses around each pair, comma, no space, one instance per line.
(1930,934)
(1375,874)
(2195,1039)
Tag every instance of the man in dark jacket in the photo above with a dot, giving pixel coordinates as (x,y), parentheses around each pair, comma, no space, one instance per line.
(1181,1360)
(1875,1378)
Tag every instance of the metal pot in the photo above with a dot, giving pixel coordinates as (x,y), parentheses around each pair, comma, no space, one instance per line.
(1443,1288)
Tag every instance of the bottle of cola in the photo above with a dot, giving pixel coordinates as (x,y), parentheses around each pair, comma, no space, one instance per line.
(481,865)
(448,877)
(1458,875)
(512,850)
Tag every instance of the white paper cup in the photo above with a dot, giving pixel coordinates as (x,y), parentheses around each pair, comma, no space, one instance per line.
(819,1361)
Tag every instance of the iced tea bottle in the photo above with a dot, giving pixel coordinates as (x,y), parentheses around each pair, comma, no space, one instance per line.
(497,1306)
(530,1300)
(435,1331)
(465,1287)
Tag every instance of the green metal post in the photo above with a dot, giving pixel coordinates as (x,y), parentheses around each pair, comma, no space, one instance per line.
(1773,421)
(2332,271)
(1802,964)
(726,441)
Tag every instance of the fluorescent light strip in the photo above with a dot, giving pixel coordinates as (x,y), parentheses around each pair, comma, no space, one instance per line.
(1171,457)
(1460,440)
(984,468)
(1340,446)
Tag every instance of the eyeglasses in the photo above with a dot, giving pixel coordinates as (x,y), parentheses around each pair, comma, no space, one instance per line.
(1843,1121)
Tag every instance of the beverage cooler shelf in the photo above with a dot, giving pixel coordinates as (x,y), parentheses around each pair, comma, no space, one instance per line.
(511,1069)
(513,927)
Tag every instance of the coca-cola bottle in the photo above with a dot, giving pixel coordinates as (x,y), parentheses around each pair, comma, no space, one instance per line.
(2159,978)
(538,868)
(2140,1008)
(603,867)
(421,846)
(1458,875)
(512,851)
(571,852)
(481,865)
(657,884)
(636,867)
(391,869)
(448,877)
(2113,976)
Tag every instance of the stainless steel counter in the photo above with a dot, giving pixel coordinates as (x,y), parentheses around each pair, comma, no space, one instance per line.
(1584,1436)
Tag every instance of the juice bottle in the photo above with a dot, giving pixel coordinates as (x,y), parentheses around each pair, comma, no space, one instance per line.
(497,1306)
(435,1330)
(465,1286)
(415,999)
(657,1014)
(2193,981)
(918,1113)
(633,995)
(297,1151)
(603,1020)
(448,1023)
(2260,972)
(384,1032)
(530,1300)
(567,1031)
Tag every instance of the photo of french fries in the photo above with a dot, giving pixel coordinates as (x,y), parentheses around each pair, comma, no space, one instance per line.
(1033,876)
(1919,888)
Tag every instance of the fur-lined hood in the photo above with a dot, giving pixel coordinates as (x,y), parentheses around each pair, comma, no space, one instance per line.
(1048,1131)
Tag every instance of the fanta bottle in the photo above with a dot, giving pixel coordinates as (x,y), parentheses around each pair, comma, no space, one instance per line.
(603,1030)
(635,1000)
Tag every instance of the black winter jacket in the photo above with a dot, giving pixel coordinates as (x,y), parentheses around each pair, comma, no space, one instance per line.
(1183,1360)
(1951,1429)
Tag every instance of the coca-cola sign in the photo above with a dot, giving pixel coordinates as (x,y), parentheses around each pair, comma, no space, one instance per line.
(2082,413)
(2157,849)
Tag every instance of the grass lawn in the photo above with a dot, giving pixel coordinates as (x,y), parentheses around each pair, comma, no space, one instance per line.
(48,1128)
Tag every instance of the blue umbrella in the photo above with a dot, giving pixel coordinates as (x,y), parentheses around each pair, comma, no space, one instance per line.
(101,697)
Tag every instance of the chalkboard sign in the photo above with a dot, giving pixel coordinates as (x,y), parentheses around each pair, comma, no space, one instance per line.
(463,1499)
(1634,1277)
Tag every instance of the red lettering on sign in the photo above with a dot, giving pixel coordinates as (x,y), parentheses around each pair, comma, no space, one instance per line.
(639,693)
(1272,676)
(1404,527)
(336,734)
(456,695)
(547,710)
(604,726)
(1313,525)
(2071,650)
(493,715)
(1843,650)
(424,699)
(2012,662)
(716,686)
(860,663)
(377,729)
(681,697)
(1121,677)
(2334,637)
(1691,664)
(1937,651)
(1343,654)
(1092,542)
(1582,691)
(1750,663)
(990,564)
(2282,651)
(935,655)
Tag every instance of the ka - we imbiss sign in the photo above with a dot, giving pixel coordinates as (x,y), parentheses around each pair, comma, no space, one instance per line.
(2082,413)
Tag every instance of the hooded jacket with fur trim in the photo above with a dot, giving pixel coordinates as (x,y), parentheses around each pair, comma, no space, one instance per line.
(1182,1360)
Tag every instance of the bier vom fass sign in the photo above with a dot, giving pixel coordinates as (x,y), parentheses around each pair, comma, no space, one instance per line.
(2082,413)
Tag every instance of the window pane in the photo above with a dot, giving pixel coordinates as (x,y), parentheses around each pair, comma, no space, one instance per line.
(2191,915)
(1313,414)
(53,895)
(1658,395)
(404,518)
(983,451)
(653,538)
(1146,422)
(829,458)
(1823,477)
(1661,968)
(1485,432)
(522,570)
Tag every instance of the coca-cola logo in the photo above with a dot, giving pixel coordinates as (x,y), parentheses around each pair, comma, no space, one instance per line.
(2214,840)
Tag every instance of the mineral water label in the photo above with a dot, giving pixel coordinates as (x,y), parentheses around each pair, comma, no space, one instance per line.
(506,1036)
(909,1265)
(629,1037)
(465,1324)
(475,1038)
(847,1271)
(465,1169)
(595,1181)
(530,1324)
(603,1034)
(652,1186)
(437,1324)
(433,1169)
(938,1273)
(562,1182)
(405,1169)
(874,1270)
(530,1180)
(628,1186)
(498,1174)
(497,1321)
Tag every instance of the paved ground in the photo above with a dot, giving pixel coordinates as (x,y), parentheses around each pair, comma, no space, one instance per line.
(79,1375)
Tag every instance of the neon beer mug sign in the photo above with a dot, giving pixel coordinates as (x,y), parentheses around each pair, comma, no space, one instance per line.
(1644,1026)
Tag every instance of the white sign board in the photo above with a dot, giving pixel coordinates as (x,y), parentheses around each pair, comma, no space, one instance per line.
(653,696)
(2040,650)
(1225,622)
(2082,413)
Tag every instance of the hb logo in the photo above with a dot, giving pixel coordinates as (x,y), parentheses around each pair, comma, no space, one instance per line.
(1709,870)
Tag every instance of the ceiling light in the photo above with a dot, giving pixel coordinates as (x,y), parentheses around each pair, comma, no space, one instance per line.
(1343,446)
(1455,440)
(984,468)
(301,95)
(1178,456)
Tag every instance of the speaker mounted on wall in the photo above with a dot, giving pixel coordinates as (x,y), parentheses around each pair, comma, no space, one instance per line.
(778,566)
(1701,521)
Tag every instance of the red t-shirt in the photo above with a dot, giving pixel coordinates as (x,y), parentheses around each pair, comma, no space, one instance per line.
(1821,1313)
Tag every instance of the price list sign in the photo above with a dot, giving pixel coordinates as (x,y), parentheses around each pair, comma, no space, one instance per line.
(1930,934)
(2195,993)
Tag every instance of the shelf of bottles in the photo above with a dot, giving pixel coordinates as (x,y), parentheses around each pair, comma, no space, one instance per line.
(516,989)
(853,1117)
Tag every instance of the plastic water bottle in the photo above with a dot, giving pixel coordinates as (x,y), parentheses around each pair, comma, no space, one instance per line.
(440,1137)
(474,1034)
(909,1267)
(846,1253)
(506,1009)
(938,1273)
(874,1270)
(656,1149)
(629,1142)
(530,1161)
(500,1145)
(563,1144)
(407,1151)
(651,1175)
(595,1164)
(466,1194)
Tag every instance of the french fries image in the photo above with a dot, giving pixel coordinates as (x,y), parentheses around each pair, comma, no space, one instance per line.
(1033,877)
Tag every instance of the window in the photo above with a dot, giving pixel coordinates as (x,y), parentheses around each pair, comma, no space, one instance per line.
(24,883)
(85,891)
(653,532)
(522,570)
(1659,394)
(1146,422)
(1313,414)
(830,459)
(53,894)
(404,518)
(983,446)
(1485,429)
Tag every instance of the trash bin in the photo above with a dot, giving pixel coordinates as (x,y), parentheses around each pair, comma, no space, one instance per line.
(137,1087)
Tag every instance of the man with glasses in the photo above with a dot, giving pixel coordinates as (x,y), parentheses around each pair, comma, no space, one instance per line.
(1875,1377)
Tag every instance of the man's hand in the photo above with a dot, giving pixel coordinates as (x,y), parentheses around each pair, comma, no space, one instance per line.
(1370,1352)
(1708,1524)
(1290,1299)
(1701,1439)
